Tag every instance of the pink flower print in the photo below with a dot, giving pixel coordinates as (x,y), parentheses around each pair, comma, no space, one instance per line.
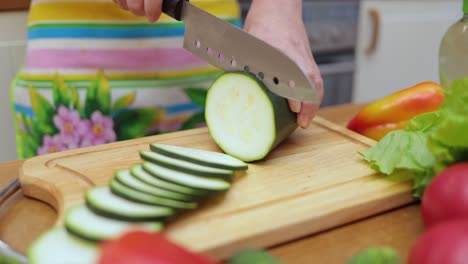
(102,129)
(70,125)
(88,136)
(51,145)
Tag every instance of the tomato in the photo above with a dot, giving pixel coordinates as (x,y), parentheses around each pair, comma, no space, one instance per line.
(446,196)
(147,248)
(444,243)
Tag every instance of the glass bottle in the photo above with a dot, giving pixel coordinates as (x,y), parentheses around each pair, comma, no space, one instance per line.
(453,52)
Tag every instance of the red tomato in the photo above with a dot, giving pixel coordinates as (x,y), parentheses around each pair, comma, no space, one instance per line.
(147,248)
(446,197)
(445,243)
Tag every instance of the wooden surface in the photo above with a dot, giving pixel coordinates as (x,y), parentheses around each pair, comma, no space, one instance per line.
(22,219)
(8,5)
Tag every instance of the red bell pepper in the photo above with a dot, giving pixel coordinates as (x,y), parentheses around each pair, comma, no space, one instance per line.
(148,248)
(395,110)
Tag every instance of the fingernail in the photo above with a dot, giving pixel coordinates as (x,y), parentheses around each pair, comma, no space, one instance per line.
(303,121)
(296,106)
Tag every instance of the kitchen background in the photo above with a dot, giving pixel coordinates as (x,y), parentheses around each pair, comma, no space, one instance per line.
(365,49)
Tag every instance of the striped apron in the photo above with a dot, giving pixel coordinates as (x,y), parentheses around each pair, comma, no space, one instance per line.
(95,74)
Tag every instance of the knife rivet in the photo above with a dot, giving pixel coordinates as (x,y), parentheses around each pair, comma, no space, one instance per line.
(292,84)
(233,63)
(221,56)
(209,51)
(275,80)
(197,44)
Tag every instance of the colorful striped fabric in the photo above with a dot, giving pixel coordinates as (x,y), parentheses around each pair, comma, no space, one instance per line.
(94,73)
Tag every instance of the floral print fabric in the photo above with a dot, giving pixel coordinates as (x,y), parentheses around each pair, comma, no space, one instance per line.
(89,80)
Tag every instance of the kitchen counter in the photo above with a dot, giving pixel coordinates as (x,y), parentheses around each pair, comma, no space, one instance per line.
(22,219)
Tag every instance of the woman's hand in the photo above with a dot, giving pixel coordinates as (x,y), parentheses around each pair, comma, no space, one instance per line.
(149,8)
(279,23)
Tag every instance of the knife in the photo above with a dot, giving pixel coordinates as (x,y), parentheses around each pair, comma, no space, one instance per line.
(231,49)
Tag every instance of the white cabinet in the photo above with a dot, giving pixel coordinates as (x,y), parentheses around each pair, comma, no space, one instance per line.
(398,44)
(12,49)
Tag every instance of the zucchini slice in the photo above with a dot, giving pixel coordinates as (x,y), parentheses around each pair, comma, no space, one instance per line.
(136,196)
(245,119)
(200,156)
(127,179)
(103,202)
(84,223)
(183,178)
(141,174)
(185,166)
(57,246)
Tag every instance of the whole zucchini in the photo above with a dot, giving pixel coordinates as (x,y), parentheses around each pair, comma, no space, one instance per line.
(244,118)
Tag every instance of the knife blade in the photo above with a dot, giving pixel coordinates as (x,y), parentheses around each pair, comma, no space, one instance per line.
(230,48)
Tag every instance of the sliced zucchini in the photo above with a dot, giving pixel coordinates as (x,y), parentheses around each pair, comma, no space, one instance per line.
(199,156)
(140,197)
(127,179)
(245,119)
(84,223)
(185,166)
(183,178)
(102,201)
(141,174)
(57,246)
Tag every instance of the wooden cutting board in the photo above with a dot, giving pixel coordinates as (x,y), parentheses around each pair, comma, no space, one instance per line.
(313,181)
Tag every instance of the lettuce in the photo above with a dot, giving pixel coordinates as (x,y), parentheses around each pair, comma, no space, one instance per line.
(428,144)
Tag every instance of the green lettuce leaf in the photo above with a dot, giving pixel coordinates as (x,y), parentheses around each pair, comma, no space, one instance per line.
(252,255)
(428,144)
(404,149)
(197,95)
(406,152)
(449,143)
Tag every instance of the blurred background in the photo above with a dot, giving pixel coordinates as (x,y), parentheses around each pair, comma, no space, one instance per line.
(365,49)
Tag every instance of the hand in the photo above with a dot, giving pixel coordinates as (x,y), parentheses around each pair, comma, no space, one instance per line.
(279,23)
(149,8)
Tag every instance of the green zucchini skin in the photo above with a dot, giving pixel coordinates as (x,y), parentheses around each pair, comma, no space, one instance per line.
(128,193)
(179,154)
(185,166)
(100,207)
(138,171)
(285,120)
(126,178)
(81,222)
(211,185)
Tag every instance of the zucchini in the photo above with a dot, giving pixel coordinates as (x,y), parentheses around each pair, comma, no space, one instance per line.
(57,246)
(84,223)
(103,202)
(141,174)
(136,196)
(245,119)
(199,156)
(185,166)
(127,179)
(183,178)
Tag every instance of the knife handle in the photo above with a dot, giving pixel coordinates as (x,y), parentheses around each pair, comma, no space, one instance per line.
(173,8)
